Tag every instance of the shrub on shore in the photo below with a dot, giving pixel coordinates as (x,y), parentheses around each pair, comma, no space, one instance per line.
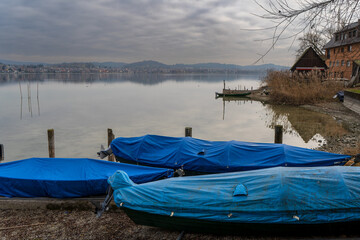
(297,89)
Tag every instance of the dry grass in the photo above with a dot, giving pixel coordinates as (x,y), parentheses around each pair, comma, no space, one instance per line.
(297,89)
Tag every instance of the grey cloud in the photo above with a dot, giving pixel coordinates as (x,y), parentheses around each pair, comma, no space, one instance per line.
(169,31)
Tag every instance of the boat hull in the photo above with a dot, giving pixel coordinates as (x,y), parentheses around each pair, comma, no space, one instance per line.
(232,94)
(281,199)
(203,226)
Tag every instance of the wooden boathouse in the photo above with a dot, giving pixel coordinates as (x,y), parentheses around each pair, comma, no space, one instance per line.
(310,60)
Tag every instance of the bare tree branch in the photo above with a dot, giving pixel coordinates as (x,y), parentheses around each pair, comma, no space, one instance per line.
(302,16)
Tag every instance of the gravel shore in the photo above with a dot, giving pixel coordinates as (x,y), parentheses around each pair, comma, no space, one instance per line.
(83,224)
(73,223)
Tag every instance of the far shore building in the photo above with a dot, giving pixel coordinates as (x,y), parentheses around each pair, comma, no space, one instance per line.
(343,53)
(312,59)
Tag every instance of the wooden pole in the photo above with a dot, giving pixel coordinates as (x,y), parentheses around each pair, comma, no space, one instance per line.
(111,137)
(1,152)
(188,132)
(51,142)
(278,134)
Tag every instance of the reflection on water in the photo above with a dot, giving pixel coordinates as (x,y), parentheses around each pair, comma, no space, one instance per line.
(141,78)
(82,107)
(310,126)
(237,100)
(29,103)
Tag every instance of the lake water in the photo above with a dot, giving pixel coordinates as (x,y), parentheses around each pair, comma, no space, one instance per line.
(81,107)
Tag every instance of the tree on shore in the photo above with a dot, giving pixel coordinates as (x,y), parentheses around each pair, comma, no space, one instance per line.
(311,39)
(306,16)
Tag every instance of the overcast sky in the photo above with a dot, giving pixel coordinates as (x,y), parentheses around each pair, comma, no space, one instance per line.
(169,31)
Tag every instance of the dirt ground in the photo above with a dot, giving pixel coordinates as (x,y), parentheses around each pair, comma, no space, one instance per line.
(83,224)
(63,223)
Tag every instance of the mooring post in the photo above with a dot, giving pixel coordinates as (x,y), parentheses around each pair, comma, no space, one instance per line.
(224,84)
(188,132)
(1,152)
(51,142)
(278,134)
(111,137)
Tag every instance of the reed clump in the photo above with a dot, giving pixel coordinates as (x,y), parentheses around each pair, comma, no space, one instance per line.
(297,89)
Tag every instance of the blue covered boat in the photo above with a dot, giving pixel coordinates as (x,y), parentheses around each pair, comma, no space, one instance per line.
(67,177)
(196,156)
(284,199)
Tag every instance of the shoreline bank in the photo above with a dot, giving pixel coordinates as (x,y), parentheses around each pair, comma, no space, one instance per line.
(348,143)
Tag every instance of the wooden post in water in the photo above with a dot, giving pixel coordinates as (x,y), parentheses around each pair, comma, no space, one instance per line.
(51,142)
(278,134)
(111,137)
(188,132)
(1,152)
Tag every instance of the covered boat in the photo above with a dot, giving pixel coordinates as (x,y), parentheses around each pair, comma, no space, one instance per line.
(67,177)
(233,93)
(273,199)
(196,156)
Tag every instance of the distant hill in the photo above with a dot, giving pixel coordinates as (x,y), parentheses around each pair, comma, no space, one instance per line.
(146,65)
(74,64)
(209,65)
(158,65)
(154,65)
(263,67)
(110,64)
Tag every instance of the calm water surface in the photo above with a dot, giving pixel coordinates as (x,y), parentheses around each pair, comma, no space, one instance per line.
(80,108)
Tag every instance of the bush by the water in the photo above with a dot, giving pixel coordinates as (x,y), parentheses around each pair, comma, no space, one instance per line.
(297,89)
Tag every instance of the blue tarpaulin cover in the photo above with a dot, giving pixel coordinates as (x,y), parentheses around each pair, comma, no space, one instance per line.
(217,156)
(293,195)
(67,177)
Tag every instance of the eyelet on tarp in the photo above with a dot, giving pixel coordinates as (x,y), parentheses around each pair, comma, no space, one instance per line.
(202,152)
(240,190)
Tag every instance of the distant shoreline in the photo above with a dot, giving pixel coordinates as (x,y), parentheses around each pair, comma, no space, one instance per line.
(138,67)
